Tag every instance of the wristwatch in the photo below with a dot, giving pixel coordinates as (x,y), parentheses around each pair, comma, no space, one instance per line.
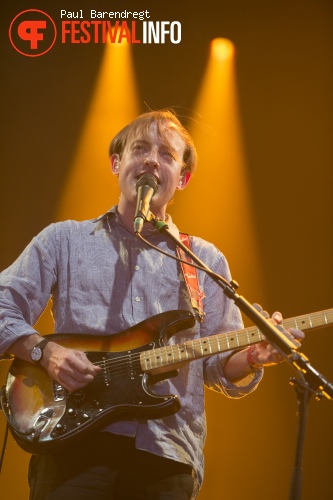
(37,351)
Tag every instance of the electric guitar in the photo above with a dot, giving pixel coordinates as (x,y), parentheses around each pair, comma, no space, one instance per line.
(43,417)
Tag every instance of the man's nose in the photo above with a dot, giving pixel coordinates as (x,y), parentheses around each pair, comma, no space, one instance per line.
(151,159)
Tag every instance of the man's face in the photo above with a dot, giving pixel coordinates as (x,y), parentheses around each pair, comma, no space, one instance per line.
(159,155)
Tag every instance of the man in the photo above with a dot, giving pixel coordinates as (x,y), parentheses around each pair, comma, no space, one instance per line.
(103,279)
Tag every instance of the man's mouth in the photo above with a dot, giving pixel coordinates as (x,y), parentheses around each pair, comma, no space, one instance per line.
(148,173)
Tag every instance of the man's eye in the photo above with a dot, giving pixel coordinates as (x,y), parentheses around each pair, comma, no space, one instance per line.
(168,153)
(139,148)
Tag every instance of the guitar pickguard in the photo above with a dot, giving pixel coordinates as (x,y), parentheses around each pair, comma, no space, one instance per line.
(121,392)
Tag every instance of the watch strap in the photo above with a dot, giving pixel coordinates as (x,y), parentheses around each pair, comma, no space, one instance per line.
(40,346)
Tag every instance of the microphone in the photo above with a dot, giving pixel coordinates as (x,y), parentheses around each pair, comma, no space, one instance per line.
(146,187)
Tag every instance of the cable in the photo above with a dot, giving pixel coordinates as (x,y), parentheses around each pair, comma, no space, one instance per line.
(4,447)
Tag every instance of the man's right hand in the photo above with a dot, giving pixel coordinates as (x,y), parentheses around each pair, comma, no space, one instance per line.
(71,369)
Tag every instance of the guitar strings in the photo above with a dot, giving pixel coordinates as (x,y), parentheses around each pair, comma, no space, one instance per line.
(161,356)
(175,352)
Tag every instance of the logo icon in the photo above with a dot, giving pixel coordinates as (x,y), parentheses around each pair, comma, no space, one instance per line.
(32,33)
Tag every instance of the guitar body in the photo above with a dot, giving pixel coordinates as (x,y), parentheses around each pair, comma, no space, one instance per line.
(43,417)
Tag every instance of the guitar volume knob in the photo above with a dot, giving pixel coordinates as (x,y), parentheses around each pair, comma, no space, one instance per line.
(79,396)
(60,429)
(72,413)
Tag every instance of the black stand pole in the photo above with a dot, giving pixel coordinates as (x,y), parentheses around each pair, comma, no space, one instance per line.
(303,398)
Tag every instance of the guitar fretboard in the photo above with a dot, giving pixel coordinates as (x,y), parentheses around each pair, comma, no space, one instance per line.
(199,348)
(309,321)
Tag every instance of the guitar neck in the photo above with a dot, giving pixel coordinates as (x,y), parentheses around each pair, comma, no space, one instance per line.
(156,360)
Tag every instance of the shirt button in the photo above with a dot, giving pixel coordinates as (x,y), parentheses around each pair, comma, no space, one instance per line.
(136,267)
(137,299)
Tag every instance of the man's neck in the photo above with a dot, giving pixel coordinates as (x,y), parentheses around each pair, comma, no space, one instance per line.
(126,212)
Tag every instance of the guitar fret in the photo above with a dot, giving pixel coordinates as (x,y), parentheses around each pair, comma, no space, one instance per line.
(164,355)
(182,352)
(170,353)
(193,351)
(154,354)
(158,358)
(203,348)
(227,340)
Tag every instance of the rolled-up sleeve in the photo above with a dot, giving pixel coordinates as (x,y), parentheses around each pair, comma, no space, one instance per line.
(26,287)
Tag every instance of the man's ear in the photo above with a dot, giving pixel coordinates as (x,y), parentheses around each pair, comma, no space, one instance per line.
(183,179)
(115,163)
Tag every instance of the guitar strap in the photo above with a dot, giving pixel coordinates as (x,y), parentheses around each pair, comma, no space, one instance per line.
(191,278)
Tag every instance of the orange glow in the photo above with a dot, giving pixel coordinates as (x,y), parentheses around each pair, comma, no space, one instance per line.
(91,188)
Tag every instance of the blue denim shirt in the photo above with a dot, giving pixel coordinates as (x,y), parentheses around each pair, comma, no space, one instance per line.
(103,279)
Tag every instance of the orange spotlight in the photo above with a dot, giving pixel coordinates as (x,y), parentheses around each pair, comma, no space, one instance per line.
(222,49)
(220,199)
(220,182)
(90,188)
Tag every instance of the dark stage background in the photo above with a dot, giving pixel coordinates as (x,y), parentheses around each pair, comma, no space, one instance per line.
(284,81)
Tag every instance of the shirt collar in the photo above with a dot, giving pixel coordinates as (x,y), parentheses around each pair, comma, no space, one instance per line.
(113,213)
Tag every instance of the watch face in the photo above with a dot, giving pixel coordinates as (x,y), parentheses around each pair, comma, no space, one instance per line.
(36,354)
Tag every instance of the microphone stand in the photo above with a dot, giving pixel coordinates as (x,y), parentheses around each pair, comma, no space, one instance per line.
(310,380)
